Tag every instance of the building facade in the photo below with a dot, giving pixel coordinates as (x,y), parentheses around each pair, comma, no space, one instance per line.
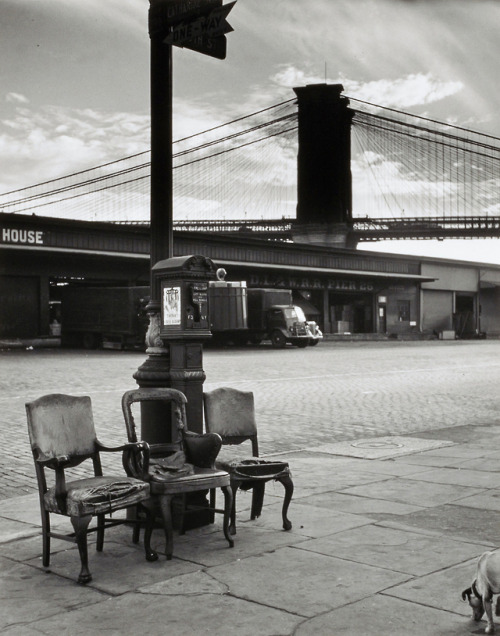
(347,291)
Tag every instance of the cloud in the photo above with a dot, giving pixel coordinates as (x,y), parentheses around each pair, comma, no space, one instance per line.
(415,89)
(16,98)
(53,141)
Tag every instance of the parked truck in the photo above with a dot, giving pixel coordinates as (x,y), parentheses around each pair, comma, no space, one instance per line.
(239,315)
(115,318)
(108,317)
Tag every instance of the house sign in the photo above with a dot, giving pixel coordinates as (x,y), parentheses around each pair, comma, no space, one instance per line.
(22,237)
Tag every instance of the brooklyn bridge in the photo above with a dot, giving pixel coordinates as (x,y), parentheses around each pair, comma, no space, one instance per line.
(280,198)
(412,178)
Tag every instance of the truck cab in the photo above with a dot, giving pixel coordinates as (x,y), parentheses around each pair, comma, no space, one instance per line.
(287,323)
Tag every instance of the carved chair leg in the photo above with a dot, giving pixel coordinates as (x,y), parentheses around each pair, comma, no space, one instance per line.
(182,525)
(234,488)
(149,509)
(288,485)
(80,525)
(228,512)
(212,504)
(166,513)
(257,499)
(46,538)
(136,532)
(100,533)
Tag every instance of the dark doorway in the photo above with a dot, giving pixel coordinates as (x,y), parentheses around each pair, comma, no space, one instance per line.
(464,318)
(351,313)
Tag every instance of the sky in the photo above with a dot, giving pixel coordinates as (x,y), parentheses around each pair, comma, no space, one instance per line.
(74,76)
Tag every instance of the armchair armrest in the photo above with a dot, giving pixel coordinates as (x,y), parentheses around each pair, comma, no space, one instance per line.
(202,449)
(135,459)
(114,449)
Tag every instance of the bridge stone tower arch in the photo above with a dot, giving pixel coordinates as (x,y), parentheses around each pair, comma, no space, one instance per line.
(324,183)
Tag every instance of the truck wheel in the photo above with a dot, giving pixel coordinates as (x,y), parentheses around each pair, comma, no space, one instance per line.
(301,344)
(278,340)
(313,343)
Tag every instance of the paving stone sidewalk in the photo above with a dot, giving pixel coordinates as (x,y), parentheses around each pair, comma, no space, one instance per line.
(386,534)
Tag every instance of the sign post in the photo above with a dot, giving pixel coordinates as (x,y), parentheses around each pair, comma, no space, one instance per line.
(199,25)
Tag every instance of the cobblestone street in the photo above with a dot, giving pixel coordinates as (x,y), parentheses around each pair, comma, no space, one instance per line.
(304,398)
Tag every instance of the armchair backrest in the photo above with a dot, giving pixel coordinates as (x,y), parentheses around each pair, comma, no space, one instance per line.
(178,414)
(61,425)
(231,413)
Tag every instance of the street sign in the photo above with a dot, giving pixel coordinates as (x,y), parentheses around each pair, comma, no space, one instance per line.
(164,14)
(210,26)
(214,47)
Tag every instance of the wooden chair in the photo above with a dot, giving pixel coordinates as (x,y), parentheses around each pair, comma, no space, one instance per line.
(231,413)
(62,436)
(184,465)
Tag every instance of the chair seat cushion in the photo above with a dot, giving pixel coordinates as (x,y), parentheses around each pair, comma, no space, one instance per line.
(199,479)
(97,495)
(254,468)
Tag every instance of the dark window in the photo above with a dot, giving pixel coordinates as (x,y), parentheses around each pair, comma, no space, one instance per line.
(404,310)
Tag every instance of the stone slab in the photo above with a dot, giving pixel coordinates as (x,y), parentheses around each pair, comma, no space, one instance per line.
(461,451)
(401,551)
(307,520)
(211,548)
(431,459)
(26,549)
(417,493)
(337,464)
(115,570)
(25,508)
(192,584)
(453,521)
(489,500)
(323,473)
(158,613)
(487,463)
(303,582)
(441,590)
(380,615)
(459,476)
(381,447)
(373,508)
(11,530)
(28,593)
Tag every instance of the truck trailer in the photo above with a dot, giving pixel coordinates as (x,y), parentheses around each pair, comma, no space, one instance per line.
(107,317)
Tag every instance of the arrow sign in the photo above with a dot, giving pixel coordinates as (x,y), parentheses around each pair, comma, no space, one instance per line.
(168,13)
(215,47)
(208,26)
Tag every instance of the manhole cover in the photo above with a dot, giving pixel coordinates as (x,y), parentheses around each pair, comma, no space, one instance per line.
(377,444)
(381,447)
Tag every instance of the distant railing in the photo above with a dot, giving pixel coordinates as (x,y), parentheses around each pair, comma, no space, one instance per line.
(363,229)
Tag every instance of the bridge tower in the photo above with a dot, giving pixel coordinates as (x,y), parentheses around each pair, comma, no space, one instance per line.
(324,184)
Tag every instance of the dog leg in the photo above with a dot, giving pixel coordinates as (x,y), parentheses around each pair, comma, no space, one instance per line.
(490,628)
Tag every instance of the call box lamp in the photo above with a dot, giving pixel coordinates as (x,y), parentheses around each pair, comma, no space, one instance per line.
(175,340)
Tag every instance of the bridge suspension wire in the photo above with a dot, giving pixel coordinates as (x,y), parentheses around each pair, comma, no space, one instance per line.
(206,165)
(403,166)
(411,166)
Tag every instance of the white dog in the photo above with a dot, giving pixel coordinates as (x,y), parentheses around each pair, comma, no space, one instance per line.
(486,583)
